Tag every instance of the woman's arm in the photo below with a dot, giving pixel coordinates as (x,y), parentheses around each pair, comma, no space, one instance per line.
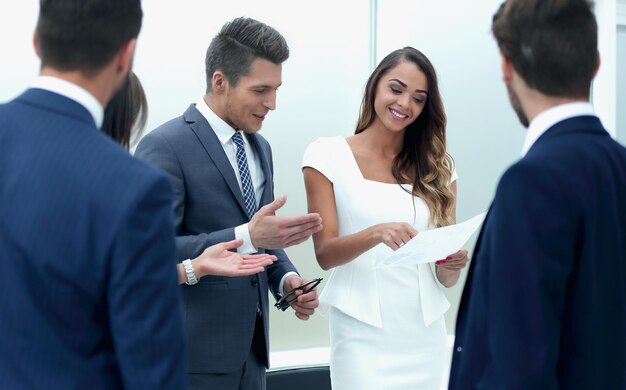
(332,250)
(449,269)
(218,260)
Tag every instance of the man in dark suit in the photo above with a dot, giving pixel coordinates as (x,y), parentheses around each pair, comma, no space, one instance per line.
(221,170)
(88,291)
(544,305)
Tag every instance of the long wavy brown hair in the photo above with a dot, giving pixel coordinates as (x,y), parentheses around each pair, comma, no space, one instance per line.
(423,159)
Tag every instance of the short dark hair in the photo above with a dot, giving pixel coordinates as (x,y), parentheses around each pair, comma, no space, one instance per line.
(238,44)
(85,35)
(552,44)
(126,114)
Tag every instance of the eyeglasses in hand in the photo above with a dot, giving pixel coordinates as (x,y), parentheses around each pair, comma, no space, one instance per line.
(289,298)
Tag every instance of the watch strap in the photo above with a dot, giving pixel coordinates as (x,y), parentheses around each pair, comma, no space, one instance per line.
(191,276)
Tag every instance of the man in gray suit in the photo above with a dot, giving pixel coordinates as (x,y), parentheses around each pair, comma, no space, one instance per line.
(221,171)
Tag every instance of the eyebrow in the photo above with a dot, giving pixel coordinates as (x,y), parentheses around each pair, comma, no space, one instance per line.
(266,86)
(404,85)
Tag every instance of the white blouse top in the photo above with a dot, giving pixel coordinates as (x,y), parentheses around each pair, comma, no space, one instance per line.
(354,288)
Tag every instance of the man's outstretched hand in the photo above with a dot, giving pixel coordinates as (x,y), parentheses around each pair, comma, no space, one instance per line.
(269,231)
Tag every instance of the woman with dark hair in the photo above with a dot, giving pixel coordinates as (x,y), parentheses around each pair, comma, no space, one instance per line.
(124,120)
(126,114)
(375,191)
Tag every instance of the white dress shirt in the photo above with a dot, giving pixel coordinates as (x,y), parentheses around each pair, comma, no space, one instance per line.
(551,117)
(74,92)
(225,133)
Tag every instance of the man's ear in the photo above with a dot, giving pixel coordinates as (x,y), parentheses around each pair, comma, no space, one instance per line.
(36,45)
(124,58)
(219,83)
(507,68)
(598,62)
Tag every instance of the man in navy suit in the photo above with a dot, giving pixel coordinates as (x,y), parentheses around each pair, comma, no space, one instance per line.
(88,288)
(221,170)
(544,305)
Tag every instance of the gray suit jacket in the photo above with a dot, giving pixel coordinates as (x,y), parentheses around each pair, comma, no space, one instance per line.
(220,312)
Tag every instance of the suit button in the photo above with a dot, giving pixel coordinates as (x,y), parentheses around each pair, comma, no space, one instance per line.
(459,349)
(254,282)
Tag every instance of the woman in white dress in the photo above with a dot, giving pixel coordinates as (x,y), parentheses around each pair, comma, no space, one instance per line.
(375,191)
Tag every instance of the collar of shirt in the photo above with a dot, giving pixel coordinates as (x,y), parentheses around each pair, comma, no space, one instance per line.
(222,129)
(224,133)
(552,116)
(74,92)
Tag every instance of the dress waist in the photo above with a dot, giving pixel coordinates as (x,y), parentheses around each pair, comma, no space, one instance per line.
(353,288)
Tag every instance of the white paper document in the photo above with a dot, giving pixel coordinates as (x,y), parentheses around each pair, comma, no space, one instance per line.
(436,244)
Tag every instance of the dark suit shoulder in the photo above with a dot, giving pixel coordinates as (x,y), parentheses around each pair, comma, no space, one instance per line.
(577,160)
(575,141)
(526,174)
(128,169)
(531,188)
(175,135)
(171,128)
(71,161)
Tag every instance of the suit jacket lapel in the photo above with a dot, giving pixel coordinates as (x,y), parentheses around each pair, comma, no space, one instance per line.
(214,149)
(268,191)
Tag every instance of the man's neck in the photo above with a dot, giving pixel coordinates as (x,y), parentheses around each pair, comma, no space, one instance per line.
(213,104)
(535,103)
(95,85)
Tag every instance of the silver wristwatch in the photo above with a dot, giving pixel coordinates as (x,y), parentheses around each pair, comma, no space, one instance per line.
(191,276)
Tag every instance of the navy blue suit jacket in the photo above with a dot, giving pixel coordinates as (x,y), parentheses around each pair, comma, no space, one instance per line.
(88,284)
(544,305)
(220,312)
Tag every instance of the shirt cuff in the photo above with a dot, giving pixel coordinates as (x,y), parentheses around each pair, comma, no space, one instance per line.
(282,292)
(242,233)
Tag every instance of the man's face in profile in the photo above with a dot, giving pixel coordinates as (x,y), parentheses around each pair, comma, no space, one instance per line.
(250,100)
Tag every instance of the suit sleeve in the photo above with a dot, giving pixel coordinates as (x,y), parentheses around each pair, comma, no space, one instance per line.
(144,305)
(156,150)
(277,270)
(282,265)
(530,258)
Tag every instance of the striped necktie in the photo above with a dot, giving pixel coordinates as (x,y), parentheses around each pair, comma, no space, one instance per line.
(244,173)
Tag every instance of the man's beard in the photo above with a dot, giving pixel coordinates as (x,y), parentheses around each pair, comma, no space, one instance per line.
(517,106)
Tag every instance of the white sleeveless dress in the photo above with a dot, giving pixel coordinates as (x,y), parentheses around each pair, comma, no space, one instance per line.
(387,329)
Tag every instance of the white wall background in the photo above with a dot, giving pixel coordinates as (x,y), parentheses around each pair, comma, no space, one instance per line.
(322,88)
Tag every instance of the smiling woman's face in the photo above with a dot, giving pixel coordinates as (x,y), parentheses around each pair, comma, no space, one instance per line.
(400,96)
